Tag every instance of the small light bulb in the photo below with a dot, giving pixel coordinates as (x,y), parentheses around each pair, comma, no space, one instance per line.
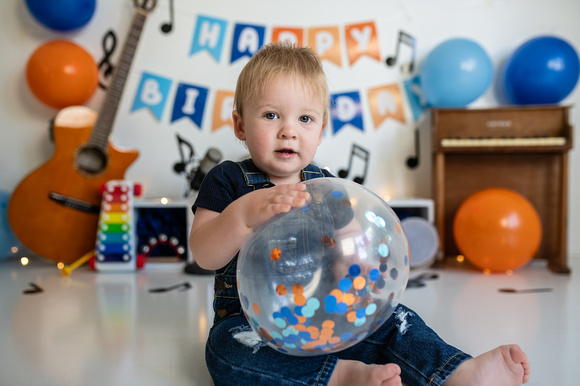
(24,260)
(164,200)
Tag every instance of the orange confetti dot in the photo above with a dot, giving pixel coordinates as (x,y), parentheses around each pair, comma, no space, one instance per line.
(297,289)
(299,300)
(337,294)
(359,283)
(351,317)
(314,331)
(301,319)
(300,326)
(275,254)
(281,289)
(334,340)
(256,308)
(328,324)
(266,334)
(398,228)
(348,299)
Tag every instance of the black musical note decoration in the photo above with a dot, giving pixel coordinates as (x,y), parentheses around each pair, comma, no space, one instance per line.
(360,152)
(181,166)
(409,40)
(168,27)
(413,161)
(109,44)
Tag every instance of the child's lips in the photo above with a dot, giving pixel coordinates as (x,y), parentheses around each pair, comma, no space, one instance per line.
(286,153)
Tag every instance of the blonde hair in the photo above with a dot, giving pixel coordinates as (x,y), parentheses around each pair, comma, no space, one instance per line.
(281,59)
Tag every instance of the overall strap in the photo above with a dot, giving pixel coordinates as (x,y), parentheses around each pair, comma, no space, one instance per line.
(255,178)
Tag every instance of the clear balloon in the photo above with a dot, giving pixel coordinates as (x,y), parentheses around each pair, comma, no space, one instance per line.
(543,70)
(455,73)
(321,278)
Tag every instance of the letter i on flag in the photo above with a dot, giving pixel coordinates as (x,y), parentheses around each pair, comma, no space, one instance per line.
(189,102)
(152,94)
(209,35)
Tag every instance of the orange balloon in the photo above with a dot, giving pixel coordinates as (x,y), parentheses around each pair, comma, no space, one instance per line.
(497,229)
(61,74)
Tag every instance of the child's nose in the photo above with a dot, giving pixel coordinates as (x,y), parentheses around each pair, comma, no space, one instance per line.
(288,130)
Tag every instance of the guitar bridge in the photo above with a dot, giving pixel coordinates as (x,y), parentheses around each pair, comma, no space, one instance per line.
(74,203)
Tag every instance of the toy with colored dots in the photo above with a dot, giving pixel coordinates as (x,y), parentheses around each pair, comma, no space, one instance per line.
(321,278)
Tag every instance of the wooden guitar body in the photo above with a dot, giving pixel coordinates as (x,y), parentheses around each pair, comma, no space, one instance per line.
(54,211)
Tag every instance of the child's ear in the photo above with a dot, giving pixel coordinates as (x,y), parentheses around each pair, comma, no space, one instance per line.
(321,133)
(238,126)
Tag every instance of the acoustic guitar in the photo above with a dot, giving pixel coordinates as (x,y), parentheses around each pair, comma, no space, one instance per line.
(54,211)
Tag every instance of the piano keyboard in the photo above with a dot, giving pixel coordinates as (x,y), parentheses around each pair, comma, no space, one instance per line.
(491,142)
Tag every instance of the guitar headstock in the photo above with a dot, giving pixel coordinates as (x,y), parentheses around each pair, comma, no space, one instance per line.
(145,5)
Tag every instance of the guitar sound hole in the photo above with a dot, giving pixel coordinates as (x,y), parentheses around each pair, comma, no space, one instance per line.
(92,160)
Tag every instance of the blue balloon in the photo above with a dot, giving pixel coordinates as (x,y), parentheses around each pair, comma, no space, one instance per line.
(7,238)
(543,70)
(62,15)
(455,73)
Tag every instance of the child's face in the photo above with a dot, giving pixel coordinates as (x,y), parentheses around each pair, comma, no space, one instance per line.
(282,128)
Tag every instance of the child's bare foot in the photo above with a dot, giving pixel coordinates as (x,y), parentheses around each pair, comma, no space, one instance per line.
(503,366)
(358,373)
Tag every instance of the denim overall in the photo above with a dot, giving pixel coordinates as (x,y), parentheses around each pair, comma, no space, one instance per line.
(226,301)
(235,356)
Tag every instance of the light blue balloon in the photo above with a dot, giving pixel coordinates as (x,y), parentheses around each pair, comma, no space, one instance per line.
(455,73)
(7,238)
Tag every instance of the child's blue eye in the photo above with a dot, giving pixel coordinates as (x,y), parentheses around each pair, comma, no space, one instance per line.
(305,119)
(270,116)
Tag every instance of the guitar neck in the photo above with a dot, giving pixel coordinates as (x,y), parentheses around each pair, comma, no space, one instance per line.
(103,126)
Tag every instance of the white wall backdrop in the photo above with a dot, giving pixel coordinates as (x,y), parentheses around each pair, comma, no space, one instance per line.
(499,26)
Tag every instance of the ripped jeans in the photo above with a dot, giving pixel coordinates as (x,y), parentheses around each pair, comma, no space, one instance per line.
(235,357)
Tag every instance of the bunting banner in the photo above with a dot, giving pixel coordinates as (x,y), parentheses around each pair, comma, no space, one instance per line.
(222,110)
(326,43)
(386,102)
(189,102)
(209,35)
(346,109)
(295,36)
(415,97)
(247,40)
(152,94)
(362,39)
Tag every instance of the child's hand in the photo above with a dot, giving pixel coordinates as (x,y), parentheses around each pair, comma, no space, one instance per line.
(261,205)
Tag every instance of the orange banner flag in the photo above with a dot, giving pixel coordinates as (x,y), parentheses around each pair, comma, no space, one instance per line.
(222,110)
(361,39)
(386,102)
(291,35)
(326,42)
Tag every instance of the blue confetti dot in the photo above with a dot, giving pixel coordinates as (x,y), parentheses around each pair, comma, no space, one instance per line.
(394,273)
(370,215)
(280,322)
(360,313)
(354,270)
(286,311)
(330,304)
(406,260)
(374,274)
(380,222)
(383,268)
(292,320)
(362,292)
(277,315)
(381,283)
(360,322)
(298,310)
(383,250)
(341,307)
(345,284)
(371,309)
(336,194)
(346,335)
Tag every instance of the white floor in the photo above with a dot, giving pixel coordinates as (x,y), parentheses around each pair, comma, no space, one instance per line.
(108,329)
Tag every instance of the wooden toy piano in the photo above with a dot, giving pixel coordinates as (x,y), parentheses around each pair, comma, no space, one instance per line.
(521,148)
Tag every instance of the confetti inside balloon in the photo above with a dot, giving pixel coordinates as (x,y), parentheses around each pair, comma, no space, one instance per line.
(321,278)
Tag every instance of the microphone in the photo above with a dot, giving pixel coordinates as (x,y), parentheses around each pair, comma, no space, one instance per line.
(212,157)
